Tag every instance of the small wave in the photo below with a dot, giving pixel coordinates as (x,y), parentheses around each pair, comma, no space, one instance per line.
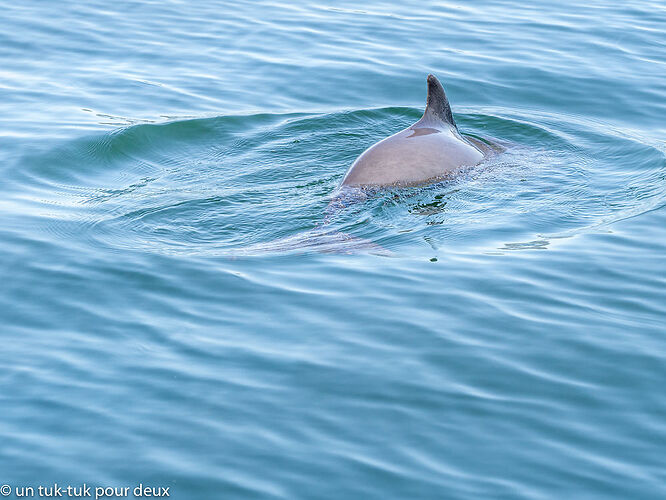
(238,185)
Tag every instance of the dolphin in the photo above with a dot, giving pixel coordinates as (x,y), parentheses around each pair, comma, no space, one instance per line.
(429,150)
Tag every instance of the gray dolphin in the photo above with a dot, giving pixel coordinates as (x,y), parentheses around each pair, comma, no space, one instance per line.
(424,152)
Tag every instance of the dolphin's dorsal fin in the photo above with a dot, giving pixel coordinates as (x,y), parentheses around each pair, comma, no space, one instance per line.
(437,105)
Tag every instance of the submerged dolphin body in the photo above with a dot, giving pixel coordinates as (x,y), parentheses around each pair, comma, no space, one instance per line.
(427,151)
(424,152)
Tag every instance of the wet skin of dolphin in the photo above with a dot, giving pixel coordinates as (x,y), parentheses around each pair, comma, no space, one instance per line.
(428,150)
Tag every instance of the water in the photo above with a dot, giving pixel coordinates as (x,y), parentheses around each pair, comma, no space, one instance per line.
(173,313)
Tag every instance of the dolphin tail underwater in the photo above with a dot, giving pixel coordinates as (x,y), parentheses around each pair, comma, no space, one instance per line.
(429,150)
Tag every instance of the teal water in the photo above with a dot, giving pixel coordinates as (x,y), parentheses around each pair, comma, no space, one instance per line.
(171,316)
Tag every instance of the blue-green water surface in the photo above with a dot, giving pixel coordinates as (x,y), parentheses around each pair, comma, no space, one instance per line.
(173,313)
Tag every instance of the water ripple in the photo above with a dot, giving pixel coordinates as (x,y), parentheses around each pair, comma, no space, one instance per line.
(191,186)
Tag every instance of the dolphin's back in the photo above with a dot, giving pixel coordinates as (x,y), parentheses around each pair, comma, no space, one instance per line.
(431,148)
(412,156)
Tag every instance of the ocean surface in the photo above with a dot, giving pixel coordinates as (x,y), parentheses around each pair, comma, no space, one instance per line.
(179,307)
